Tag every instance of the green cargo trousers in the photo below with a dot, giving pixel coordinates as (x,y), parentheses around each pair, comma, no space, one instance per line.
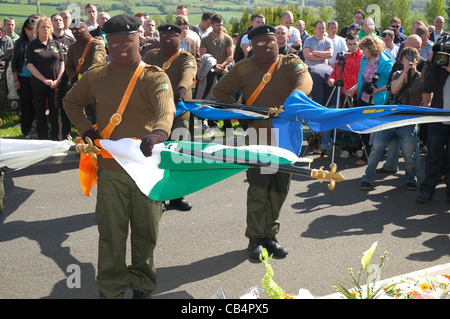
(265,197)
(122,206)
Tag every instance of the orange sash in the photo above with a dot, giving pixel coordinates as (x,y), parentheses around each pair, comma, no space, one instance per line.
(266,78)
(167,64)
(88,167)
(83,56)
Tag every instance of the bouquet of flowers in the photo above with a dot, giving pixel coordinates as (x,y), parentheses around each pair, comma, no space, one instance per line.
(355,290)
(269,285)
(420,287)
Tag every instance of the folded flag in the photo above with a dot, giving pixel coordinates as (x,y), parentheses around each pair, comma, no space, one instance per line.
(176,169)
(363,120)
(16,154)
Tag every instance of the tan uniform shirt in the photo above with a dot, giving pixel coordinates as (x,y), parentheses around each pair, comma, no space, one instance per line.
(290,75)
(95,55)
(181,72)
(150,107)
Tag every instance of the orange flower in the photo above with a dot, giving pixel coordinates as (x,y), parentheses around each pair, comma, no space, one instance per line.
(425,286)
(354,293)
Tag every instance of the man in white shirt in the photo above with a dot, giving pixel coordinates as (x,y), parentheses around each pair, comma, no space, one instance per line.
(91,12)
(391,47)
(438,29)
(317,50)
(339,44)
(204,27)
(287,19)
(256,20)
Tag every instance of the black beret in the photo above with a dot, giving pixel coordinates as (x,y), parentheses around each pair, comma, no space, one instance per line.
(262,29)
(169,27)
(121,23)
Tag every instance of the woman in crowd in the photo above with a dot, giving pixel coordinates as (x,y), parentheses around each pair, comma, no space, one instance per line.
(45,61)
(376,66)
(22,76)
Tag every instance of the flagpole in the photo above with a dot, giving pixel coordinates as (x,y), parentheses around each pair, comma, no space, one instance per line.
(267,111)
(319,174)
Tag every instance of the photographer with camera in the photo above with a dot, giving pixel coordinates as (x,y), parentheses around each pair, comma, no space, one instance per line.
(408,89)
(438,134)
(373,76)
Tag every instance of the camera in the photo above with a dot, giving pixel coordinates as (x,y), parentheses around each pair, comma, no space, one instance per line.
(368,87)
(341,55)
(441,52)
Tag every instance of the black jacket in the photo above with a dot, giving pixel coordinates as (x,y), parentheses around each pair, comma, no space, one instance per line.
(435,78)
(18,58)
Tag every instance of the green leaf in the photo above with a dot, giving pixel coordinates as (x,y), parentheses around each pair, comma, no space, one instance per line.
(365,261)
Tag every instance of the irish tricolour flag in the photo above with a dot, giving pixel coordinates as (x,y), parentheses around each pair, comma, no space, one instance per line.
(17,154)
(176,169)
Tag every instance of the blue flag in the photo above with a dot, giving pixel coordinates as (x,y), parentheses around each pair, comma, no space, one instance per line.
(299,109)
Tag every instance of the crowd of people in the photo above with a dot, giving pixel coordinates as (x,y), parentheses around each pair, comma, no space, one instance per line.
(58,62)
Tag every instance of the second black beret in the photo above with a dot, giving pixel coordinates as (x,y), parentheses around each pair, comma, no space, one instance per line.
(121,23)
(169,27)
(262,29)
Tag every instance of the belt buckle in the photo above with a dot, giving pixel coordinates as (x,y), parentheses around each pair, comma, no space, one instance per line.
(264,78)
(166,65)
(80,61)
(113,117)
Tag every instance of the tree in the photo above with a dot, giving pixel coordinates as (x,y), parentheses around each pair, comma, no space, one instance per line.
(325,12)
(38,7)
(434,8)
(170,18)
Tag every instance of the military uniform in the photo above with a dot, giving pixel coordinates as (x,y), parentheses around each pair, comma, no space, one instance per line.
(181,68)
(96,54)
(120,204)
(181,73)
(266,192)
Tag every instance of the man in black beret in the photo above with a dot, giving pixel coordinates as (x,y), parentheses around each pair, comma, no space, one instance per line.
(267,192)
(181,68)
(148,116)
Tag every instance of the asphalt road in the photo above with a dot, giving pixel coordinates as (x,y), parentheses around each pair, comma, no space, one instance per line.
(49,227)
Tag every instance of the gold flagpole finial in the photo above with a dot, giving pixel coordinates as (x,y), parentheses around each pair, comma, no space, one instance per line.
(330,176)
(88,148)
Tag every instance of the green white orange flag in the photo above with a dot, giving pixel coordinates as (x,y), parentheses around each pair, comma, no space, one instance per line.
(17,154)
(172,172)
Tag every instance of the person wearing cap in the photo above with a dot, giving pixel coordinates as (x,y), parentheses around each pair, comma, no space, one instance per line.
(353,29)
(79,60)
(181,68)
(148,116)
(267,192)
